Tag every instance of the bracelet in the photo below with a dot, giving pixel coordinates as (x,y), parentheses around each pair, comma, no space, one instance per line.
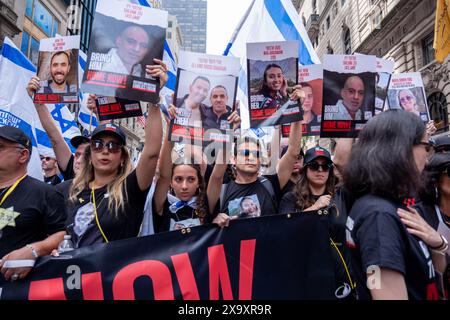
(33,251)
(442,247)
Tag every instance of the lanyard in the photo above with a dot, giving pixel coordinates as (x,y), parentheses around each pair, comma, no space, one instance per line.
(96,215)
(11,189)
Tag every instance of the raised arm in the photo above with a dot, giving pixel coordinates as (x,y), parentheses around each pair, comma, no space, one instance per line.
(286,163)
(215,181)
(62,150)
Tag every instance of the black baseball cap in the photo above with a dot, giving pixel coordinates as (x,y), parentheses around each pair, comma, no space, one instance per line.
(16,135)
(111,129)
(441,143)
(285,148)
(317,152)
(78,140)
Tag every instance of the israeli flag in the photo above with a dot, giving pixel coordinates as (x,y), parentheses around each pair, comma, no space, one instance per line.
(17,109)
(265,21)
(86,119)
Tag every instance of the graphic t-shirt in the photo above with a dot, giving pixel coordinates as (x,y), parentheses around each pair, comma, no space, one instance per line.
(251,199)
(378,239)
(32,212)
(116,225)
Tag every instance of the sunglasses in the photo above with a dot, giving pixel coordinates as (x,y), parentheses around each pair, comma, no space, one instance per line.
(99,145)
(407,98)
(46,158)
(314,166)
(246,153)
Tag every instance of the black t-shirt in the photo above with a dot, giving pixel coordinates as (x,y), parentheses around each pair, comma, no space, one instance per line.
(335,218)
(183,218)
(117,225)
(53,180)
(64,189)
(35,211)
(288,187)
(377,237)
(251,199)
(68,173)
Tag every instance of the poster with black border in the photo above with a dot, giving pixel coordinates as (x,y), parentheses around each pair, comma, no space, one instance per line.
(205,96)
(348,94)
(406,91)
(125,38)
(383,79)
(58,70)
(311,79)
(109,108)
(272,73)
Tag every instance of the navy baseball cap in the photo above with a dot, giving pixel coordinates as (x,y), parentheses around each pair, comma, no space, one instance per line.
(441,143)
(16,135)
(81,139)
(111,129)
(317,152)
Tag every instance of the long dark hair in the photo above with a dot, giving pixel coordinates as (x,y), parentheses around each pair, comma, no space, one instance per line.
(201,211)
(429,191)
(302,190)
(382,161)
(264,90)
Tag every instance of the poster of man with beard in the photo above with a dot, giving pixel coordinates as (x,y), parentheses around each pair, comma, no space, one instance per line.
(58,70)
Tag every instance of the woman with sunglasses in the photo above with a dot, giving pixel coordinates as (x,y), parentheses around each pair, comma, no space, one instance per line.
(435,201)
(408,102)
(315,191)
(393,250)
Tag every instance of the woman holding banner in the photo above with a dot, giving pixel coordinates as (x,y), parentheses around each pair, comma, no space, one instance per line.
(393,250)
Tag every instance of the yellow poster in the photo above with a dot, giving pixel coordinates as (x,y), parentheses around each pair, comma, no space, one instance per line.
(442,30)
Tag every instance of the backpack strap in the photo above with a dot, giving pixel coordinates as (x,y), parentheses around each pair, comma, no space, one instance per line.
(269,188)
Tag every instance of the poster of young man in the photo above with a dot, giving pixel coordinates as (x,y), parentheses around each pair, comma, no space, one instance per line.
(109,108)
(311,79)
(348,94)
(205,96)
(125,38)
(407,92)
(272,73)
(58,70)
(382,80)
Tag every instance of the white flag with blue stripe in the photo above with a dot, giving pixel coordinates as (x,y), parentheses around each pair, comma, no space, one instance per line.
(17,108)
(265,21)
(87,120)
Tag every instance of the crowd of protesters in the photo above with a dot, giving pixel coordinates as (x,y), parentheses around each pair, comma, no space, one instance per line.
(385,196)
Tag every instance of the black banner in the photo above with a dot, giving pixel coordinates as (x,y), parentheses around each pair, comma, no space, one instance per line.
(272,257)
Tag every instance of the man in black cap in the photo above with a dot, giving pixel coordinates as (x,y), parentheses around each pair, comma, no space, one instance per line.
(441,143)
(32,213)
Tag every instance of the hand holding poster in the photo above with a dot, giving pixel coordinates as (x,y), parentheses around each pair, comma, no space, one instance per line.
(125,39)
(311,79)
(406,92)
(348,94)
(205,97)
(58,70)
(272,73)
(383,78)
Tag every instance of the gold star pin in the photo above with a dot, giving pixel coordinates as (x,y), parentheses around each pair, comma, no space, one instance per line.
(8,217)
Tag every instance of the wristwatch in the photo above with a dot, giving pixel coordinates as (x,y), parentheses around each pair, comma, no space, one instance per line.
(33,251)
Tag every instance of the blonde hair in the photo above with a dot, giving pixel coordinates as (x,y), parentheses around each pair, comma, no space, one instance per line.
(117,194)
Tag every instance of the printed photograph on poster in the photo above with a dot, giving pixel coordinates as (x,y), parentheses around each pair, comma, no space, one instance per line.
(125,38)
(205,96)
(311,79)
(407,92)
(245,207)
(348,94)
(272,74)
(382,80)
(58,70)
(109,108)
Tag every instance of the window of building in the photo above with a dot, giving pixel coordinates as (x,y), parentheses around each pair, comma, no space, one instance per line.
(347,42)
(328,22)
(438,110)
(29,9)
(314,6)
(428,50)
(34,51)
(170,24)
(25,43)
(342,3)
(42,17)
(169,35)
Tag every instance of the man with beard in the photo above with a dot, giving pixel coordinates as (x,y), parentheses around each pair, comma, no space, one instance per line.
(217,116)
(59,70)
